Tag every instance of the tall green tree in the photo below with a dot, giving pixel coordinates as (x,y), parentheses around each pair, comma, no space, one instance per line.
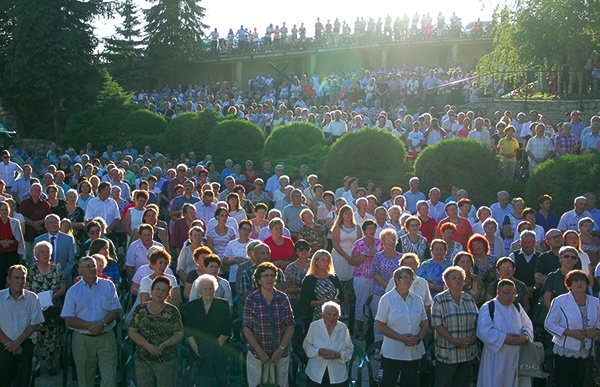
(50,61)
(123,51)
(536,33)
(174,35)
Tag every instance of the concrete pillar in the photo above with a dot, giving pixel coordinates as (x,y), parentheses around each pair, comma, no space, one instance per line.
(384,58)
(238,73)
(312,64)
(455,53)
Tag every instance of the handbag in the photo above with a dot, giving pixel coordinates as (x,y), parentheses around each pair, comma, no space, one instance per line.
(52,316)
(531,360)
(268,373)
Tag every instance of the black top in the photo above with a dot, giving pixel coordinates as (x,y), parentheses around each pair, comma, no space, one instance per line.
(307,292)
(525,271)
(206,326)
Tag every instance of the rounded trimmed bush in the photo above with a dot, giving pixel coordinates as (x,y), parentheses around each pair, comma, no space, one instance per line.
(564,179)
(144,122)
(367,154)
(461,161)
(296,144)
(190,131)
(235,139)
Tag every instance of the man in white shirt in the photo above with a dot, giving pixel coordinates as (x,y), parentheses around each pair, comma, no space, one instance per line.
(9,170)
(539,148)
(105,207)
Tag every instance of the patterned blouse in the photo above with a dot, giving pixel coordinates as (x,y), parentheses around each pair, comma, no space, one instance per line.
(38,282)
(384,267)
(364,269)
(156,328)
(295,275)
(315,236)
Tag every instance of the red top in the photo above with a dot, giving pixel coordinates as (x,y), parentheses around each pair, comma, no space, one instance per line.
(428,228)
(283,252)
(6,233)
(463,230)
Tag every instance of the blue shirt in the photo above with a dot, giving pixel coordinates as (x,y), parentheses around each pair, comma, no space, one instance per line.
(412,199)
(91,303)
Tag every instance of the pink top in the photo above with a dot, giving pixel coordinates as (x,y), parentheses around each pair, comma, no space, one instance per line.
(364,269)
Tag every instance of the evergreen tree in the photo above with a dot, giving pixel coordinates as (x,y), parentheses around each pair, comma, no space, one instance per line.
(124,52)
(50,61)
(174,35)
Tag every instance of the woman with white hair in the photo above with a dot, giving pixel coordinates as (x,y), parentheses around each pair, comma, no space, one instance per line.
(207,326)
(328,347)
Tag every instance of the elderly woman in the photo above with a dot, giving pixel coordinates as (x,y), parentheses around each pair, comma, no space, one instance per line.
(402,320)
(463,230)
(315,234)
(433,269)
(484,264)
(473,284)
(11,242)
(419,286)
(384,264)
(212,263)
(186,261)
(490,231)
(363,252)
(282,247)
(571,238)
(589,243)
(207,325)
(554,285)
(328,347)
(320,285)
(268,328)
(46,276)
(259,221)
(511,221)
(574,323)
(503,328)
(258,195)
(156,328)
(412,242)
(454,319)
(447,231)
(75,213)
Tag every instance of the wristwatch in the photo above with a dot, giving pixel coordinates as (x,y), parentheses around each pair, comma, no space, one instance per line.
(104,324)
(282,347)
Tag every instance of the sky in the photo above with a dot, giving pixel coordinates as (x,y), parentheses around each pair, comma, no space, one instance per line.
(260,13)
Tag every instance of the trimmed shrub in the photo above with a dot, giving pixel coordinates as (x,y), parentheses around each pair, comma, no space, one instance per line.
(296,144)
(143,122)
(564,179)
(190,131)
(461,161)
(235,139)
(367,154)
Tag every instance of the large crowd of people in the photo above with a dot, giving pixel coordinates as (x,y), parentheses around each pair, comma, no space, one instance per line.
(332,32)
(174,246)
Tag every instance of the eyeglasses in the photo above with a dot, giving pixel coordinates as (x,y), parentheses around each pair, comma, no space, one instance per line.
(509,294)
(389,240)
(574,257)
(302,249)
(267,276)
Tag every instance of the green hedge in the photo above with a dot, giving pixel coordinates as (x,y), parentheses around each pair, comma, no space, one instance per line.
(190,131)
(296,144)
(464,162)
(235,139)
(564,179)
(367,154)
(143,122)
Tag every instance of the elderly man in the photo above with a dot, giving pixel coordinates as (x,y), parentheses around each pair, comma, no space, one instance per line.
(549,261)
(590,206)
(116,176)
(502,207)
(413,195)
(262,253)
(361,214)
(63,246)
(539,148)
(437,208)
(526,260)
(291,213)
(570,219)
(20,315)
(381,220)
(34,209)
(229,184)
(273,180)
(590,139)
(90,309)
(104,207)
(179,178)
(187,197)
(21,186)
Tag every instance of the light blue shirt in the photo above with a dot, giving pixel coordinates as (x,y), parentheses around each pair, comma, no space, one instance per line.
(91,303)
(412,199)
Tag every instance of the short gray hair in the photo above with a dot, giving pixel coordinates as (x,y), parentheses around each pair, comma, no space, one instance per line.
(200,282)
(331,305)
(36,248)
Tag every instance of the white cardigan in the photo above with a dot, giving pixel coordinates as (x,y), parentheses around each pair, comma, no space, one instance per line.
(564,314)
(15,227)
(339,341)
